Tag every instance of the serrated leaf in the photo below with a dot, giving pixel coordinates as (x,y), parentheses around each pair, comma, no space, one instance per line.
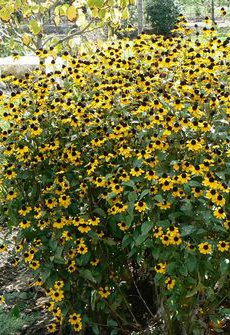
(125,14)
(129,183)
(87,275)
(146,227)
(96,3)
(187,230)
(35,27)
(224,264)
(158,197)
(26,39)
(126,241)
(100,212)
(132,196)
(140,239)
(144,193)
(191,262)
(72,13)
(5,14)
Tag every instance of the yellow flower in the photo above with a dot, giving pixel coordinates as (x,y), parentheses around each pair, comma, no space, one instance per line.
(170,283)
(136,172)
(49,305)
(65,200)
(223,246)
(25,224)
(94,262)
(34,265)
(193,145)
(219,213)
(164,205)
(51,328)
(57,295)
(3,248)
(122,226)
(140,206)
(74,318)
(160,267)
(104,292)
(58,284)
(205,248)
(11,196)
(2,299)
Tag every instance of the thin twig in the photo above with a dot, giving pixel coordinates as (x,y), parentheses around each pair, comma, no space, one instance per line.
(72,35)
(138,291)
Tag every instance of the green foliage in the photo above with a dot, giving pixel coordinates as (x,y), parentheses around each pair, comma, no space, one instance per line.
(115,174)
(13,321)
(26,24)
(162,15)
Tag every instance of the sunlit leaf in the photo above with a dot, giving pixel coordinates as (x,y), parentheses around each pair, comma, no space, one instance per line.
(72,13)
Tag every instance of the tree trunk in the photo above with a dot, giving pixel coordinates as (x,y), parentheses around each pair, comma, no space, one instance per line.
(212,11)
(140,14)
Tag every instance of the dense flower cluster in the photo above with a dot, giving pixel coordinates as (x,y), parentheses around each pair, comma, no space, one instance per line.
(118,153)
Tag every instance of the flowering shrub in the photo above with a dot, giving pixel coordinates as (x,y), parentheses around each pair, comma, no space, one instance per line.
(116,178)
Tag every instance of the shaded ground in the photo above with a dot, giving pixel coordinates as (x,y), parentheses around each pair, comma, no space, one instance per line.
(22,312)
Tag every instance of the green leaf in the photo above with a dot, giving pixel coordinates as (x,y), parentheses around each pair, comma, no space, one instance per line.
(191,263)
(144,193)
(183,270)
(96,3)
(35,27)
(187,207)
(126,241)
(146,227)
(140,239)
(187,230)
(100,212)
(45,274)
(95,329)
(112,323)
(159,198)
(132,196)
(87,275)
(110,241)
(128,220)
(129,183)
(224,264)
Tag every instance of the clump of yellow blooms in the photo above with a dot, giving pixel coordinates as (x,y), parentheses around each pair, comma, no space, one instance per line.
(119,152)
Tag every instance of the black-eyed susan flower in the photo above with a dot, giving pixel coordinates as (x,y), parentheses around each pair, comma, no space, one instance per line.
(57,295)
(205,248)
(122,226)
(51,328)
(160,267)
(58,284)
(104,292)
(158,231)
(140,206)
(191,247)
(170,283)
(25,224)
(136,172)
(219,213)
(11,195)
(34,264)
(65,200)
(25,210)
(94,262)
(3,248)
(74,318)
(2,299)
(223,246)
(49,305)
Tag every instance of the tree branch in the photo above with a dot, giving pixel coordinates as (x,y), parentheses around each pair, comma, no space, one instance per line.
(72,35)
